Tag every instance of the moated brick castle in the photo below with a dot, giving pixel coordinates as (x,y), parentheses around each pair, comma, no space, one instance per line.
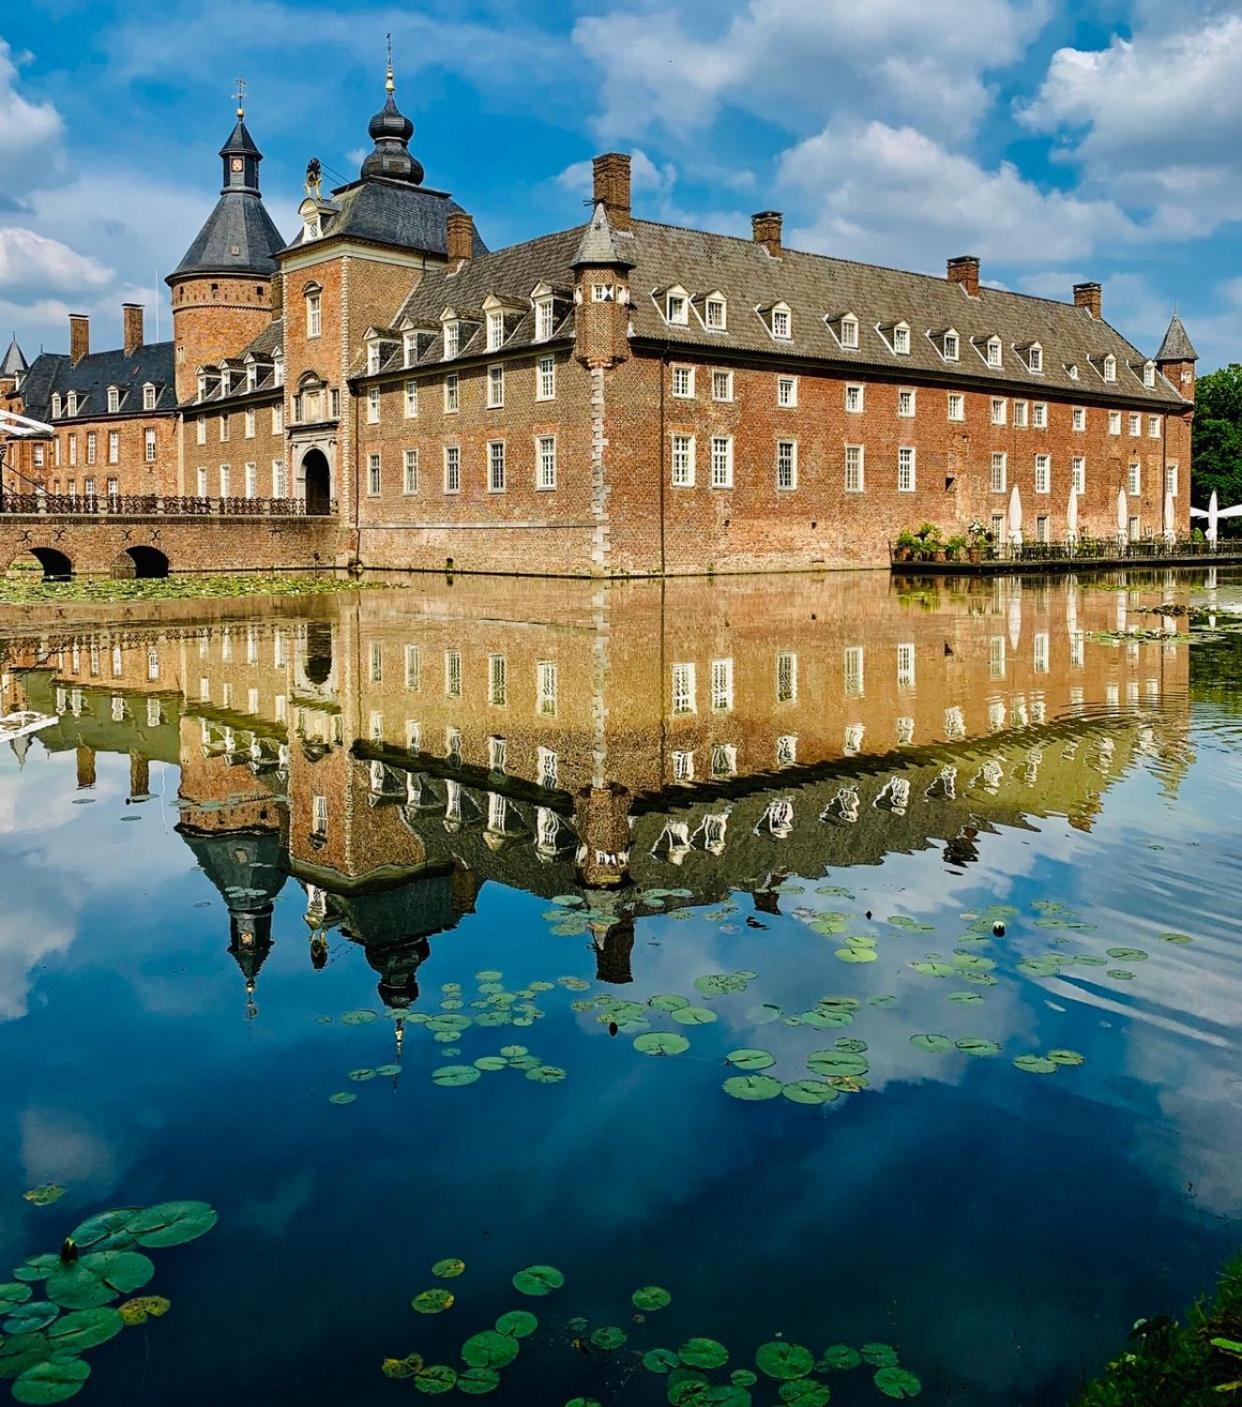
(619,397)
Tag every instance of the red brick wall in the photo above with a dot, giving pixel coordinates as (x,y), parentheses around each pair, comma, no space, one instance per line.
(214,318)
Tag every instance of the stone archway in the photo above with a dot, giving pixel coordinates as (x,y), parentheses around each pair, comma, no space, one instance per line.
(53,563)
(144,563)
(317,481)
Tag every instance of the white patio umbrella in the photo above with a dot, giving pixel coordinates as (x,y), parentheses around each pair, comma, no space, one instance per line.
(1213,511)
(1071,514)
(1014,619)
(1123,514)
(1015,517)
(1170,532)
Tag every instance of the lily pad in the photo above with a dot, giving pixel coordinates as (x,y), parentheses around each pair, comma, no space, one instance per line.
(401,1368)
(98,1278)
(56,1380)
(360,1077)
(749,1058)
(840,1355)
(37,1267)
(1180,939)
(545,1074)
(358,1018)
(342,1097)
(1035,1064)
(15,1293)
(932,1043)
(687,1387)
(435,1379)
(810,1092)
(703,1353)
(449,1268)
(804,1392)
(693,1016)
(719,984)
(517,1323)
(475,1382)
(1121,974)
(432,1301)
(650,1297)
(784,1361)
(976,1045)
(538,1280)
(609,1338)
(454,1076)
(660,1360)
(83,1329)
(44,1196)
(23,1351)
(1127,954)
(489,1349)
(1067,1057)
(879,1355)
(897,1382)
(661,1043)
(837,1062)
(138,1311)
(491,1062)
(856,954)
(172,1223)
(106,1231)
(752,1087)
(30,1317)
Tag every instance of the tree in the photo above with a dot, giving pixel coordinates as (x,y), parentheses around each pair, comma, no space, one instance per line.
(1217,437)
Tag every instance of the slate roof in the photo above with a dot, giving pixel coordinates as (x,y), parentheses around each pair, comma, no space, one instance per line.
(380,211)
(1177,346)
(14,359)
(53,372)
(263,349)
(599,244)
(239,237)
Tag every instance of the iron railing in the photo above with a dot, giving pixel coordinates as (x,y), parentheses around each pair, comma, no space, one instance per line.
(1082,549)
(158,505)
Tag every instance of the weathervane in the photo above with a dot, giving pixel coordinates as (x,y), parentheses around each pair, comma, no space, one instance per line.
(389,84)
(240,97)
(314,179)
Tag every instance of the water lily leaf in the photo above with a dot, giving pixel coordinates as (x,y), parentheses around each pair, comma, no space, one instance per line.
(839,1355)
(934,1044)
(810,1092)
(661,1043)
(474,1382)
(22,1351)
(667,1001)
(1121,974)
(836,1062)
(453,1076)
(432,1301)
(106,1231)
(488,975)
(743,1377)
(784,1361)
(44,1196)
(85,1328)
(489,1349)
(342,1097)
(1035,1064)
(897,1382)
(650,1298)
(76,1287)
(703,1353)
(1127,954)
(804,1392)
(608,1338)
(855,953)
(37,1267)
(719,984)
(358,1018)
(138,1311)
(517,1323)
(752,1087)
(15,1293)
(879,1355)
(449,1268)
(511,1052)
(852,1043)
(1181,939)
(538,1280)
(124,1271)
(172,1223)
(726,1395)
(660,1360)
(435,1379)
(56,1380)
(962,997)
(976,1045)
(30,1317)
(388,1071)
(1067,1057)
(573,984)
(687,1387)
(545,1074)
(583,1402)
(693,1016)
(401,1368)
(749,1058)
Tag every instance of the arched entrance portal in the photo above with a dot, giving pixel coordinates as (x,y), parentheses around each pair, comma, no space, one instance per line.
(53,564)
(142,562)
(318,479)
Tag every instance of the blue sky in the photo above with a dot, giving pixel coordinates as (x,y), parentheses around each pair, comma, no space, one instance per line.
(1059,139)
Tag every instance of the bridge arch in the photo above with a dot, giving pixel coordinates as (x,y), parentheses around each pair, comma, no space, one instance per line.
(55,565)
(141,562)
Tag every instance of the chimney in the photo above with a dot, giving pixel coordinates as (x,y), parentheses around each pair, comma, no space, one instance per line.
(964,271)
(1089,296)
(765,228)
(612,187)
(79,337)
(460,237)
(131,318)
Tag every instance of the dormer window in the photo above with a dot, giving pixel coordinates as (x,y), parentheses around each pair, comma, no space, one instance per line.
(952,346)
(71,403)
(1149,374)
(994,352)
(545,319)
(1072,371)
(375,357)
(1035,357)
(495,330)
(278,370)
(849,332)
(1110,368)
(782,323)
(715,312)
(677,307)
(148,396)
(901,339)
(202,393)
(55,404)
(314,309)
(409,348)
(452,338)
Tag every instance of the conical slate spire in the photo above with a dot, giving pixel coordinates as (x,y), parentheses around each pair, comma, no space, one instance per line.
(598,247)
(1177,346)
(14,362)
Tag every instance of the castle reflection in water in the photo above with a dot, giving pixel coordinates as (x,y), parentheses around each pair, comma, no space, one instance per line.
(392,751)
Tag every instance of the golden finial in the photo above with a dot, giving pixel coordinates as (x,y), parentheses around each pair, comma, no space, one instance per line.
(389,84)
(240,98)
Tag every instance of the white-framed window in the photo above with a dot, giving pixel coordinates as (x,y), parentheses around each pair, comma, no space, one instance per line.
(853,671)
(279,488)
(148,446)
(1110,368)
(849,332)
(683,461)
(1136,425)
(495,330)
(413,670)
(1153,427)
(38,456)
(1021,414)
(957,406)
(994,352)
(73,450)
(722,385)
(677,308)
(546,687)
(226,476)
(906,469)
(373,475)
(495,387)
(409,348)
(603,293)
(1078,474)
(1170,478)
(683,765)
(1114,422)
(148,397)
(1041,528)
(249,426)
(1133,532)
(200,430)
(1079,418)
(452,338)
(114,401)
(411,400)
(715,314)
(855,481)
(496,466)
(56,405)
(855,400)
(724,760)
(545,379)
(684,691)
(373,405)
(786,464)
(374,358)
(786,676)
(91,444)
(683,382)
(782,323)
(1000,471)
(1149,374)
(1043,472)
(71,403)
(545,462)
(314,313)
(722,685)
(722,461)
(1039,415)
(409,482)
(114,488)
(250,478)
(1134,479)
(497,681)
(901,339)
(1035,358)
(1000,410)
(905,403)
(452,674)
(202,482)
(452,468)
(452,394)
(952,347)
(544,319)
(787,391)
(905,666)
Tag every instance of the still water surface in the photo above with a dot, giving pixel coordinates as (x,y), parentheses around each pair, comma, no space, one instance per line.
(259,852)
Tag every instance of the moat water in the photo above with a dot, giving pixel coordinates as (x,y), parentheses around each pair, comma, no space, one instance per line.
(857,963)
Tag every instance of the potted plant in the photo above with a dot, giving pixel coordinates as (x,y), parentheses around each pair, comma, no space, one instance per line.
(955,546)
(977,539)
(907,545)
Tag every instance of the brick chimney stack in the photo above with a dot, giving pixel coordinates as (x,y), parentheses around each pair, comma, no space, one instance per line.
(460,237)
(964,271)
(131,319)
(765,228)
(1089,296)
(612,187)
(79,337)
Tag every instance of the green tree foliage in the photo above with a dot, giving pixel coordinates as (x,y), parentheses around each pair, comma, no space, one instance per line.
(1218,437)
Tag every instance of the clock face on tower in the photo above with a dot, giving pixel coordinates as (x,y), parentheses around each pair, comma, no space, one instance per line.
(237,163)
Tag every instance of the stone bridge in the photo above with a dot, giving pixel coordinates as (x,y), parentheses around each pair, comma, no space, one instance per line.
(125,544)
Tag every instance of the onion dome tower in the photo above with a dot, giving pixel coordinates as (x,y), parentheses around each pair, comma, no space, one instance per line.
(391,131)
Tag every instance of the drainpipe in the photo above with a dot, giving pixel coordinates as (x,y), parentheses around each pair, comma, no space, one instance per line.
(663,451)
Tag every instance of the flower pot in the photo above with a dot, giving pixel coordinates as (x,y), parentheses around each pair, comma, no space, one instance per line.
(938,556)
(975,555)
